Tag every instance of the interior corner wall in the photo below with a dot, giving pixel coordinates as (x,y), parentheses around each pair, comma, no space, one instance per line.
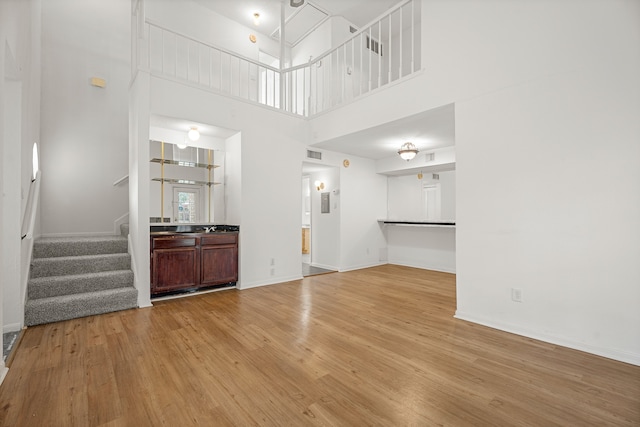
(363,200)
(20,127)
(139,199)
(548,173)
(84,128)
(271,157)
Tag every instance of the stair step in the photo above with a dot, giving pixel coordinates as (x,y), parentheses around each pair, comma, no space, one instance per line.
(46,287)
(65,307)
(49,247)
(69,265)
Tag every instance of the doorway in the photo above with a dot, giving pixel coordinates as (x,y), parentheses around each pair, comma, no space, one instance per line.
(320,219)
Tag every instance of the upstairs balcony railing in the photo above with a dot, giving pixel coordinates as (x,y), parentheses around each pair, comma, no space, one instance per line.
(383,52)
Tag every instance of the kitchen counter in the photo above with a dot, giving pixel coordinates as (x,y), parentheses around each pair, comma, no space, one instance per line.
(417,223)
(156,230)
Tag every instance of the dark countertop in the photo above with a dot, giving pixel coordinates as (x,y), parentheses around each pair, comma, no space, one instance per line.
(193,228)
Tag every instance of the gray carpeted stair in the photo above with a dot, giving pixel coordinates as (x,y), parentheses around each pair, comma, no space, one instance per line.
(77,277)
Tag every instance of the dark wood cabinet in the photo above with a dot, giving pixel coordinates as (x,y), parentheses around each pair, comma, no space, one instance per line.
(187,262)
(219,259)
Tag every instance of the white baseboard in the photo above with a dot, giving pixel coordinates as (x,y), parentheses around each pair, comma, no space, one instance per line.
(243,285)
(3,371)
(83,234)
(361,266)
(11,327)
(325,266)
(615,354)
(118,222)
(440,268)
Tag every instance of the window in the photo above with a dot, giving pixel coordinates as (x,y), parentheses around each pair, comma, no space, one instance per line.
(186,206)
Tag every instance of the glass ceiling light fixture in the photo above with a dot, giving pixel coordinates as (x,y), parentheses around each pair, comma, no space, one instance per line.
(182,145)
(408,151)
(193,133)
(256,19)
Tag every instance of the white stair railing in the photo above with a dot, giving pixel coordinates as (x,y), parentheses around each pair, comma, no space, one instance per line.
(383,52)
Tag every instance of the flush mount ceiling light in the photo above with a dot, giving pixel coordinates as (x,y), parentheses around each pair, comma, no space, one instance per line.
(408,151)
(296,3)
(193,134)
(256,19)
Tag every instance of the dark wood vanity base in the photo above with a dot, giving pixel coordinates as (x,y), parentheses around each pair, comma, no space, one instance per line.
(187,262)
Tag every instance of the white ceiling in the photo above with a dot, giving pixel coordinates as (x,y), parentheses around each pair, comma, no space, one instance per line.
(429,130)
(357,12)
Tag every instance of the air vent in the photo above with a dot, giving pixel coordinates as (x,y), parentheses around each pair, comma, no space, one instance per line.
(430,157)
(353,29)
(314,155)
(374,45)
(435,176)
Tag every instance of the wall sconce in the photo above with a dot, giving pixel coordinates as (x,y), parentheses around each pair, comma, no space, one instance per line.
(408,151)
(319,185)
(193,133)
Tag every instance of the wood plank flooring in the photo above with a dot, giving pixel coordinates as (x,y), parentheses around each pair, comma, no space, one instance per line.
(376,347)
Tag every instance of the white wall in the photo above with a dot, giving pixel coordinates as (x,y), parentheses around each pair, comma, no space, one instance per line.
(268,207)
(530,213)
(325,227)
(537,113)
(201,23)
(19,128)
(363,196)
(405,196)
(432,248)
(84,128)
(233,179)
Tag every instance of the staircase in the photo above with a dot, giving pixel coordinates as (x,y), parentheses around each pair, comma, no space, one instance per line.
(79,276)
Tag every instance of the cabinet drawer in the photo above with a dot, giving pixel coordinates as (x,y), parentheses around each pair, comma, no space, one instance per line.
(173,242)
(219,239)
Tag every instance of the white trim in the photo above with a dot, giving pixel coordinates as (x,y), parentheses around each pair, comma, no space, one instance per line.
(610,353)
(192,294)
(423,267)
(3,371)
(121,180)
(362,266)
(324,266)
(270,282)
(11,327)
(79,234)
(118,222)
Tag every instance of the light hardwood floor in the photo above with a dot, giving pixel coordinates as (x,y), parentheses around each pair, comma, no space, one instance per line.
(377,346)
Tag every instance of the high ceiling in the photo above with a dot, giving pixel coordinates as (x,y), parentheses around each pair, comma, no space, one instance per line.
(428,130)
(301,19)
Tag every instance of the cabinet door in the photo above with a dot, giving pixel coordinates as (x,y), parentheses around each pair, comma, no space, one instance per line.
(219,264)
(174,269)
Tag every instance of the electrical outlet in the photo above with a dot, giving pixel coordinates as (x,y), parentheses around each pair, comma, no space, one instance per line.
(516,294)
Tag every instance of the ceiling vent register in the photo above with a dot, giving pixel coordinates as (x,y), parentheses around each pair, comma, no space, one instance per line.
(314,155)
